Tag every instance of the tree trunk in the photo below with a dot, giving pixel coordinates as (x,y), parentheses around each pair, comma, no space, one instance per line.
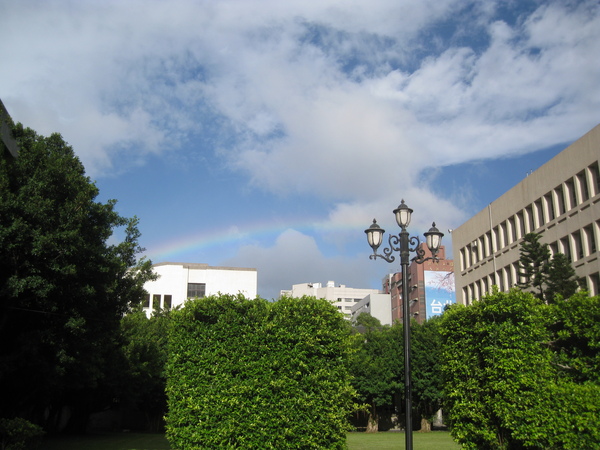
(425,425)
(373,422)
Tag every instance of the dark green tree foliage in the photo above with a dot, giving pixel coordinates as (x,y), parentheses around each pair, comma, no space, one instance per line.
(63,288)
(502,385)
(576,337)
(377,366)
(534,263)
(547,277)
(562,280)
(427,381)
(144,377)
(258,375)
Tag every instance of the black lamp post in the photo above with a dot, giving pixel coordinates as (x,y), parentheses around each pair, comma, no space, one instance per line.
(402,243)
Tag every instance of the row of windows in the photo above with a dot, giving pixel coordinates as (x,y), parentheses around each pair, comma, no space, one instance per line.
(166,301)
(158,301)
(507,277)
(562,199)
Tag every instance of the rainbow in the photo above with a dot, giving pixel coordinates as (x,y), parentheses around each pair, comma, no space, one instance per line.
(260,232)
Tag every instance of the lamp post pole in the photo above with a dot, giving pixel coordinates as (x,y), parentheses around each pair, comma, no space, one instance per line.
(404,260)
(402,243)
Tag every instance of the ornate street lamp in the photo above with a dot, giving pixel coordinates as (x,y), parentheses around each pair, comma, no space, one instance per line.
(404,244)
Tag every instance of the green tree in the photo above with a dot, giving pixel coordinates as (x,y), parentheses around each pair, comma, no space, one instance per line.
(258,375)
(426,370)
(63,287)
(546,276)
(377,367)
(143,382)
(562,279)
(576,337)
(534,264)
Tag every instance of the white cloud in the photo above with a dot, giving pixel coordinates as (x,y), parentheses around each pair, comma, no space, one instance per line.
(330,99)
(296,258)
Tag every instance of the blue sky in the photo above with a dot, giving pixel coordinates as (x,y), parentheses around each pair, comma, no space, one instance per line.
(268,134)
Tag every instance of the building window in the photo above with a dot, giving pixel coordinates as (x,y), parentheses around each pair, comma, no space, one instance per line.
(566,248)
(578,250)
(594,284)
(560,199)
(520,224)
(509,279)
(572,194)
(196,290)
(583,186)
(590,240)
(549,207)
(540,213)
(168,301)
(146,303)
(488,244)
(512,229)
(497,239)
(530,219)
(595,178)
(156,301)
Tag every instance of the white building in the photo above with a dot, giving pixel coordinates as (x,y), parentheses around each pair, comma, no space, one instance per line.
(179,281)
(560,200)
(377,305)
(341,296)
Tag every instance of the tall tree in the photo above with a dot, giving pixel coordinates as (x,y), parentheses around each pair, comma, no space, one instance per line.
(562,279)
(63,287)
(143,379)
(546,276)
(534,263)
(376,367)
(427,381)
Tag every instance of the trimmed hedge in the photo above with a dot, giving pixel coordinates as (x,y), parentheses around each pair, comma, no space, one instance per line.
(256,375)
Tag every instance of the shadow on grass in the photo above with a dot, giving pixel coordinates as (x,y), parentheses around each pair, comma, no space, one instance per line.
(436,440)
(107,441)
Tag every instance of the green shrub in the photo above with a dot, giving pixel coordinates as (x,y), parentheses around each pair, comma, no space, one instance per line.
(517,373)
(257,375)
(19,434)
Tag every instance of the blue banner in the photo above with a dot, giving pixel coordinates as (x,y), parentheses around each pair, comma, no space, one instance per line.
(439,291)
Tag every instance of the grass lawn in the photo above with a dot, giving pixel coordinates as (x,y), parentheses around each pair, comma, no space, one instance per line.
(436,440)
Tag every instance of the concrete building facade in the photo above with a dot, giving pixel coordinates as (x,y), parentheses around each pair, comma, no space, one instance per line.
(430,287)
(344,298)
(179,281)
(377,305)
(560,200)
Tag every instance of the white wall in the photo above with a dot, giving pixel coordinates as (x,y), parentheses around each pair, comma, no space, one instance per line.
(378,305)
(174,278)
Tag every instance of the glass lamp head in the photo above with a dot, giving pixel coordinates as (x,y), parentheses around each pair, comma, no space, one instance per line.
(403,213)
(374,235)
(434,239)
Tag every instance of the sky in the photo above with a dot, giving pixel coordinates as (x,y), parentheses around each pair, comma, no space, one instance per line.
(269,134)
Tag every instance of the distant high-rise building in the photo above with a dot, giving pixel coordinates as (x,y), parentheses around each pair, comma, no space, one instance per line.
(430,287)
(560,200)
